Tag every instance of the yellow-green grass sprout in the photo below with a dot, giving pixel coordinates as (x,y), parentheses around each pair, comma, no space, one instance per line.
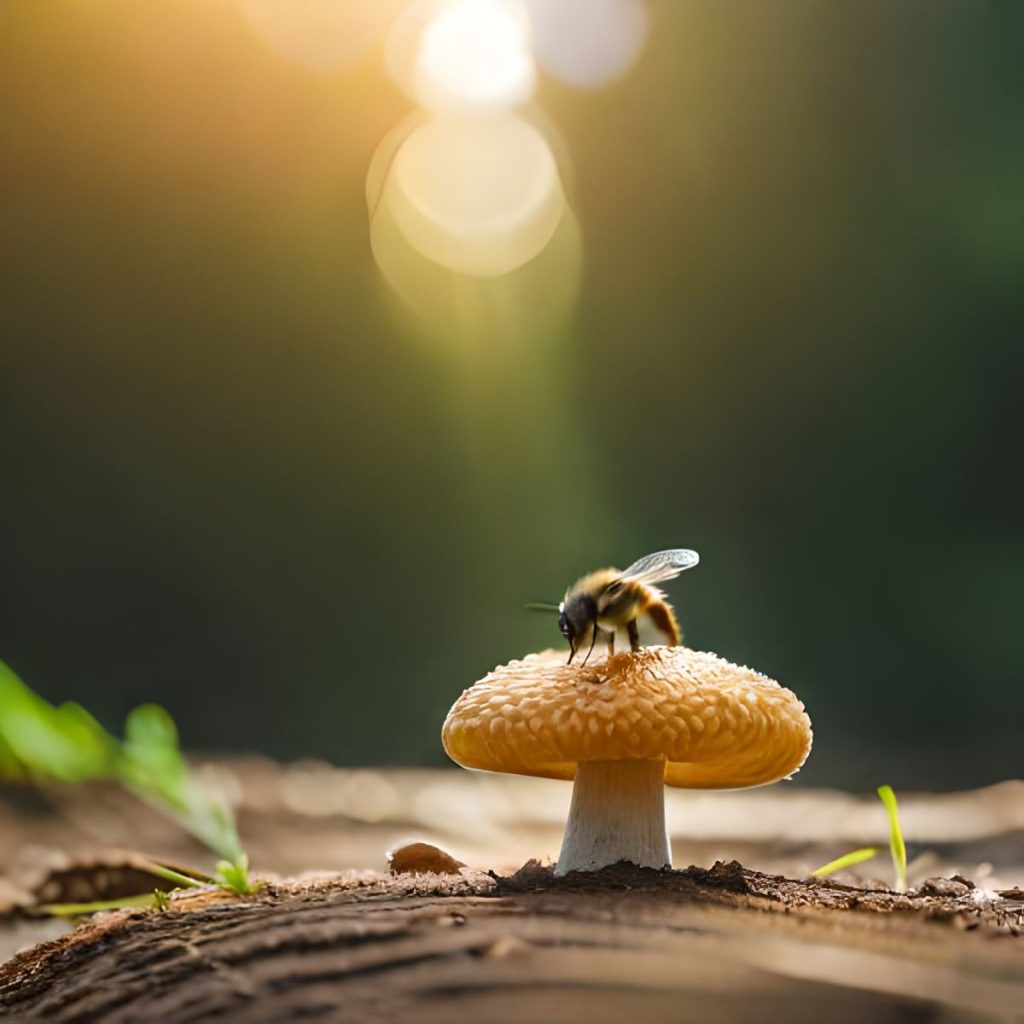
(149,899)
(846,861)
(184,881)
(897,847)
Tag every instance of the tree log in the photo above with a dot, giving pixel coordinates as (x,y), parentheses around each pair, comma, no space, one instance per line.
(723,944)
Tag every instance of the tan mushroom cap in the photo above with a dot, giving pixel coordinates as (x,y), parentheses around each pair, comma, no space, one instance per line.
(717,725)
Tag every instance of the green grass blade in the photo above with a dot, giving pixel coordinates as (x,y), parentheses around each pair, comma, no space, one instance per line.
(846,861)
(896,845)
(149,899)
(187,881)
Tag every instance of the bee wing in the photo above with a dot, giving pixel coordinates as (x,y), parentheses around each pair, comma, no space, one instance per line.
(662,565)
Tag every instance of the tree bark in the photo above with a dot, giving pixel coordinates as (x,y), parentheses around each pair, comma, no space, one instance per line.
(705,945)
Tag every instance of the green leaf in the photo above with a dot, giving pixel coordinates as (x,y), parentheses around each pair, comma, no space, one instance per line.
(896,845)
(10,767)
(154,768)
(151,759)
(846,861)
(63,742)
(67,743)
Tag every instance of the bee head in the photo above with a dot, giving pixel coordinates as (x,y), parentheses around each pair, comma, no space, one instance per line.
(574,618)
(565,628)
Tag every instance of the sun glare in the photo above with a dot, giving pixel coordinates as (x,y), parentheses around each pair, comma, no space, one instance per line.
(474,56)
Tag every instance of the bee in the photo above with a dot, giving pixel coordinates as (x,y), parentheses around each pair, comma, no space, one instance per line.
(607,600)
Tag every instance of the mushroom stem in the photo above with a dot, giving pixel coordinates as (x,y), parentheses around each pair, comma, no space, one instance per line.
(617,813)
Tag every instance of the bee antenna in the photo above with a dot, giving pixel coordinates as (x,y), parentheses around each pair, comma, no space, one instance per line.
(541,606)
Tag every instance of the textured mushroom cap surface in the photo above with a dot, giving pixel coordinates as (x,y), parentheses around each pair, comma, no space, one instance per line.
(716,725)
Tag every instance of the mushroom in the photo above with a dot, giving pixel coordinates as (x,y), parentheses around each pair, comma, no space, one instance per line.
(624,728)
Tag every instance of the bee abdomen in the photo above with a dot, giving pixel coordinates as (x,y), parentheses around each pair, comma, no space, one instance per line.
(664,619)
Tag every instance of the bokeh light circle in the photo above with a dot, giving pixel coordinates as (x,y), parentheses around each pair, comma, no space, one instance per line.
(464,56)
(587,43)
(481,196)
(322,35)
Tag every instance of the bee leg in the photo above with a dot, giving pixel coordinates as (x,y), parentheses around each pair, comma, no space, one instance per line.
(634,634)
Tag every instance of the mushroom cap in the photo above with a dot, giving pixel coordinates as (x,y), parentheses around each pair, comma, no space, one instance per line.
(715,724)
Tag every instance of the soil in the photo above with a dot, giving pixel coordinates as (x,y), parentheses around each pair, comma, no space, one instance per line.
(718,944)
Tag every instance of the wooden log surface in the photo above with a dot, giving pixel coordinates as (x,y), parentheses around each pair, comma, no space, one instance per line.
(697,944)
(705,945)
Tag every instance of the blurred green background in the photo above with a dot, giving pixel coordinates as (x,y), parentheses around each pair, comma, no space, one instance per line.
(238,480)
